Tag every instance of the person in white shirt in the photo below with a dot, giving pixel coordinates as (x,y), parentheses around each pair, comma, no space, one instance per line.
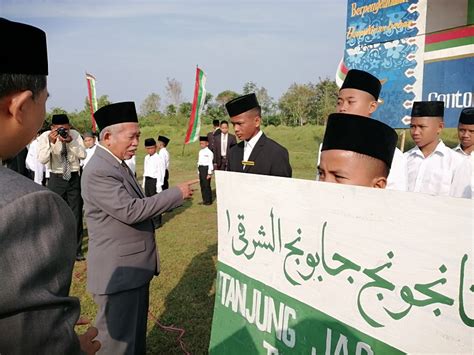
(431,165)
(466,132)
(153,174)
(165,156)
(205,169)
(222,144)
(89,143)
(359,96)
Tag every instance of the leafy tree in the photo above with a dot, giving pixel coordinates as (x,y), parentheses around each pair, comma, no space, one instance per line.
(297,104)
(264,99)
(185,109)
(249,87)
(326,99)
(151,104)
(223,97)
(171,110)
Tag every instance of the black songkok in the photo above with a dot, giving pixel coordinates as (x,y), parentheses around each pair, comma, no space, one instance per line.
(119,112)
(427,109)
(361,135)
(241,104)
(203,139)
(60,119)
(164,139)
(24,49)
(361,80)
(467,116)
(150,142)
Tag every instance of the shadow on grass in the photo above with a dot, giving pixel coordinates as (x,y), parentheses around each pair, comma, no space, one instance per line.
(188,306)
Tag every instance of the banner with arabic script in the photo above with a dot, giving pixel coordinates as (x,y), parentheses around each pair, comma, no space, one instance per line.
(315,268)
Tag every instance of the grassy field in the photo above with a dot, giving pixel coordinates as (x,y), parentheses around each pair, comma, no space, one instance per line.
(183,295)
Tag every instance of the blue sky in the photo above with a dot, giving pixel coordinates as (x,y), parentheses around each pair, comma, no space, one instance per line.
(133,46)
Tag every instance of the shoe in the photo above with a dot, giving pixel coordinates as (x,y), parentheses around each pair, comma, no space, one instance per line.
(80,257)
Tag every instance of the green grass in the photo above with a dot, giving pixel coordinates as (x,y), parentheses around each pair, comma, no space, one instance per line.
(183,294)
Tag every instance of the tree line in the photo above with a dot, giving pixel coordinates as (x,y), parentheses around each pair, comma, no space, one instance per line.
(301,104)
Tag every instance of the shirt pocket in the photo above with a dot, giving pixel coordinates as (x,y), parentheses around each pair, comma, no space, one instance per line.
(131,248)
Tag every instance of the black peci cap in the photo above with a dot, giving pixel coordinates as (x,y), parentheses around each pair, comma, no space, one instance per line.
(467,116)
(241,104)
(120,112)
(203,139)
(361,135)
(150,142)
(364,81)
(60,119)
(24,49)
(164,139)
(427,109)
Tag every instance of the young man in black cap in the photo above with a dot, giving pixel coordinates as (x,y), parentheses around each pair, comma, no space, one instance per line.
(37,229)
(165,157)
(62,149)
(89,139)
(430,163)
(356,151)
(123,256)
(256,153)
(466,132)
(359,96)
(205,169)
(153,173)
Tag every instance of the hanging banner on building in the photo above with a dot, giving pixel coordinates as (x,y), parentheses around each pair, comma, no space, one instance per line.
(397,40)
(324,268)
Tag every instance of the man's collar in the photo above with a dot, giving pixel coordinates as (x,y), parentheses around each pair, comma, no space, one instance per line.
(253,141)
(107,150)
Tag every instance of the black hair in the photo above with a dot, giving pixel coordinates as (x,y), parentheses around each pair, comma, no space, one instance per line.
(13,83)
(215,123)
(224,122)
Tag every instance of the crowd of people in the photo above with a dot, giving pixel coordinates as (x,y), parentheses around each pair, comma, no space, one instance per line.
(41,227)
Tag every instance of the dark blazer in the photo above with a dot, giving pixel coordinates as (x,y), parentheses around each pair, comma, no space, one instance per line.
(37,254)
(211,137)
(269,157)
(119,221)
(231,141)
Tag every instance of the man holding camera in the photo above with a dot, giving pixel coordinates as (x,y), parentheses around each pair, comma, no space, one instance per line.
(62,148)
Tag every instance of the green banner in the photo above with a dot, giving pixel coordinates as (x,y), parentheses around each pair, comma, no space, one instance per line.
(253,318)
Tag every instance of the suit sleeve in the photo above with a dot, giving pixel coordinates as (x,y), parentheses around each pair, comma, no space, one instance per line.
(106,191)
(36,258)
(281,165)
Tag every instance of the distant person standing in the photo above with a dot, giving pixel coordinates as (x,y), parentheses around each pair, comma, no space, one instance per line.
(32,163)
(165,156)
(205,169)
(466,132)
(256,153)
(211,135)
(89,143)
(223,142)
(431,165)
(62,148)
(359,95)
(153,173)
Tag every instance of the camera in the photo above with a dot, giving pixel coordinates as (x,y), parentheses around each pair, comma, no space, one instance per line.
(62,132)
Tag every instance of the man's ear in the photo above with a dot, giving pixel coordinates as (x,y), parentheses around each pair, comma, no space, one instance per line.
(379,182)
(373,106)
(18,105)
(440,126)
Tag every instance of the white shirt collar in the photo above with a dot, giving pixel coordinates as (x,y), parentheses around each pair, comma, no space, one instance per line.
(459,149)
(440,149)
(251,143)
(107,150)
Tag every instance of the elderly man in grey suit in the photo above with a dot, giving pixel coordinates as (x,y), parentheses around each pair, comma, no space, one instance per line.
(123,257)
(37,228)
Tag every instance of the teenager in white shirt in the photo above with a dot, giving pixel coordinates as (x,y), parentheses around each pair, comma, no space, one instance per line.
(431,165)
(165,156)
(466,132)
(205,169)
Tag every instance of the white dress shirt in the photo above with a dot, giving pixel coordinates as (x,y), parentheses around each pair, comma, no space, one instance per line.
(463,180)
(398,177)
(224,138)
(90,152)
(154,167)
(432,174)
(249,145)
(459,150)
(205,158)
(165,155)
(33,163)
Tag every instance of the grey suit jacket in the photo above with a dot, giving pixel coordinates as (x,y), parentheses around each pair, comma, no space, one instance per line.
(37,254)
(122,251)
